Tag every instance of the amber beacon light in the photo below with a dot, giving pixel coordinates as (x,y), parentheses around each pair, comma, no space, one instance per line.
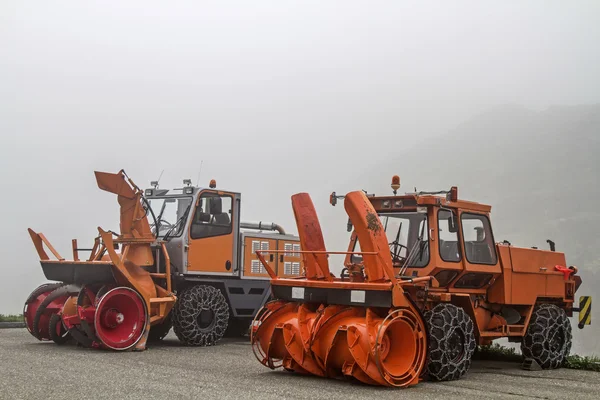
(395,183)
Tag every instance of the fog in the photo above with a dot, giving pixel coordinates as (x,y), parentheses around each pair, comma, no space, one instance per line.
(271,98)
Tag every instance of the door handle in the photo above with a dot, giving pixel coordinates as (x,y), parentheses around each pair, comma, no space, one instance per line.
(281,258)
(543,268)
(271,257)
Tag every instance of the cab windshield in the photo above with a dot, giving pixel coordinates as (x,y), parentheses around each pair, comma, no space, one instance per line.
(408,239)
(170,215)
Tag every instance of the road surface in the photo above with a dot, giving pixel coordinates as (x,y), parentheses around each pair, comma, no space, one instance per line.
(30,369)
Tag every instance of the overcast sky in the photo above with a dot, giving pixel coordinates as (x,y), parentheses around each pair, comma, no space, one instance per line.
(276,97)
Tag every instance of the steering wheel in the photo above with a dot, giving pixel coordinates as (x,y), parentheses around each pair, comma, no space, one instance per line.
(162,223)
(395,250)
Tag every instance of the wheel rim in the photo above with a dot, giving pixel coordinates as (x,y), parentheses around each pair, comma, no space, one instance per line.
(206,319)
(456,345)
(120,318)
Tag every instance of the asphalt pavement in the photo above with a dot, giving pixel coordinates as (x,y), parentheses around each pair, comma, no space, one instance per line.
(31,370)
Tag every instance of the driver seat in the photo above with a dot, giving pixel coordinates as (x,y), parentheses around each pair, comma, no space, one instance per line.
(216,209)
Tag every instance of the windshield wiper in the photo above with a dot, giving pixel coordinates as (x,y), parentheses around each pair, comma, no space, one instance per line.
(159,218)
(178,222)
(396,242)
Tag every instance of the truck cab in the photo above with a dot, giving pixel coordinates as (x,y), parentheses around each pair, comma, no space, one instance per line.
(437,234)
(209,244)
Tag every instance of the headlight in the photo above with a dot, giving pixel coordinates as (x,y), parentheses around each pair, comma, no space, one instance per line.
(148,192)
(188,190)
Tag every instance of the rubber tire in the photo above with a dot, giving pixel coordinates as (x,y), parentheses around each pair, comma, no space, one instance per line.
(187,309)
(54,320)
(159,331)
(546,322)
(443,321)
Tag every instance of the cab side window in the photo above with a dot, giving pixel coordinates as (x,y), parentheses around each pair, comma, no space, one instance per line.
(212,216)
(479,242)
(448,236)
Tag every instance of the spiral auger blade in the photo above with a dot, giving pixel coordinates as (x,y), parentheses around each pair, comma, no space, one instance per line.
(385,350)
(42,303)
(267,345)
(297,333)
(32,304)
(283,335)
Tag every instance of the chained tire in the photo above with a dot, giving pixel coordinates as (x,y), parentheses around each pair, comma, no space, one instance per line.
(57,331)
(200,316)
(549,337)
(451,342)
(159,331)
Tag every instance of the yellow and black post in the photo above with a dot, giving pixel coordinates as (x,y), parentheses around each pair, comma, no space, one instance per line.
(585,311)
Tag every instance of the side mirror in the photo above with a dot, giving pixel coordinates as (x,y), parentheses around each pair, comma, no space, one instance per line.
(332,199)
(453,223)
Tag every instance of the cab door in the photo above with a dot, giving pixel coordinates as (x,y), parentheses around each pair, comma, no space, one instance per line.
(212,234)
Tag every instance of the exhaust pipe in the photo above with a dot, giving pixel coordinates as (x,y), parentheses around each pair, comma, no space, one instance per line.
(268,226)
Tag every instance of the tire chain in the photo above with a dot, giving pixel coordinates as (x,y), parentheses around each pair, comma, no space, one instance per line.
(442,321)
(546,323)
(185,315)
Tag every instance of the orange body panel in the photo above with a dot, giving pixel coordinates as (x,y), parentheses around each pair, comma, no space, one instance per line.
(251,261)
(535,260)
(211,254)
(276,259)
(293,258)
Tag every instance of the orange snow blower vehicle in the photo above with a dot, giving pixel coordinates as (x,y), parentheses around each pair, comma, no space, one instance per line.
(423,283)
(182,260)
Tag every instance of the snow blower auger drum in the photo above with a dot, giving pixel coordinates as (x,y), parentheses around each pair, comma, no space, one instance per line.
(365,328)
(109,300)
(42,311)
